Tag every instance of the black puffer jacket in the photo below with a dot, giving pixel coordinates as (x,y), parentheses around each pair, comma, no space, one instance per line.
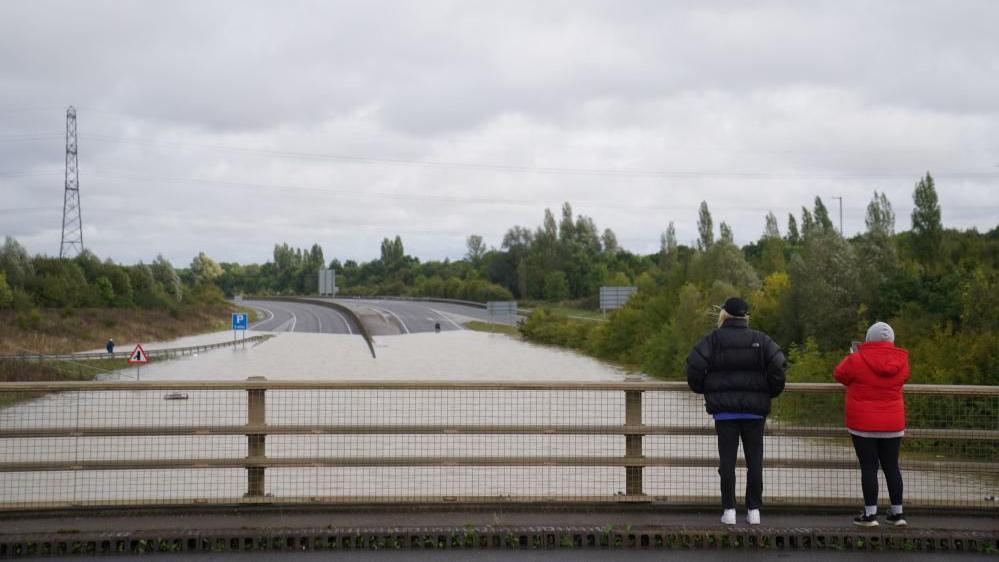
(737,369)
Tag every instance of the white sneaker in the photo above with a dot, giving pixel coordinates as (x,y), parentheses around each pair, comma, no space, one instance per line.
(753,517)
(728,517)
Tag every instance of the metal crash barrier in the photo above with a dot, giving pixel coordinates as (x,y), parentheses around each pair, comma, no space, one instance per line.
(100,444)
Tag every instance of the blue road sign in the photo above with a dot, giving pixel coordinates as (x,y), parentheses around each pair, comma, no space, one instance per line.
(239,321)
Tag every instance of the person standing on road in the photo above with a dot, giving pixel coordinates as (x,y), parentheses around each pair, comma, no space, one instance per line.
(875,416)
(110,346)
(738,370)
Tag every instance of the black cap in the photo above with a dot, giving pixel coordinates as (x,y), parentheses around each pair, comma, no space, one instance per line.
(736,307)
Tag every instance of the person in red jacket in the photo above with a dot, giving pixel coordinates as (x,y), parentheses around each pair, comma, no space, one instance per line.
(875,416)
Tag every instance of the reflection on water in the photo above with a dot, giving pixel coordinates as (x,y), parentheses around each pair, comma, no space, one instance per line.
(467,356)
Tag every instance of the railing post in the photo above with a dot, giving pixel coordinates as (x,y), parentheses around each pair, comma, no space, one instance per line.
(633,443)
(256,447)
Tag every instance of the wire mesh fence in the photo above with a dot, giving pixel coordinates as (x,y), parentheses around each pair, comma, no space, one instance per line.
(174,443)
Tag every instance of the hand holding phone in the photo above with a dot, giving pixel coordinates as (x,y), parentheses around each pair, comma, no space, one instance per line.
(854,347)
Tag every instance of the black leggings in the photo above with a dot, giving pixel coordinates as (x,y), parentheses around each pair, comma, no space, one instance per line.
(751,432)
(870,452)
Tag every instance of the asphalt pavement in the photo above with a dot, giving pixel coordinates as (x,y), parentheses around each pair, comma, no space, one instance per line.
(381,316)
(424,316)
(299,317)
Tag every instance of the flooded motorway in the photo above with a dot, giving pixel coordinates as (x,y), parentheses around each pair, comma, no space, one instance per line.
(456,355)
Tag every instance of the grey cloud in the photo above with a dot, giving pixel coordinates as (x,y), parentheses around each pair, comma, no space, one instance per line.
(831,98)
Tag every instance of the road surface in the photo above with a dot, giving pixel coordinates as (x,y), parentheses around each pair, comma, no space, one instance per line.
(423,316)
(298,317)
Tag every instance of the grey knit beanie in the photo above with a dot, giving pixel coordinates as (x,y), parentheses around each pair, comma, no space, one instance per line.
(879,331)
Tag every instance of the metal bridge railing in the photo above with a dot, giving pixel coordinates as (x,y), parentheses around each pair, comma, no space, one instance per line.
(184,443)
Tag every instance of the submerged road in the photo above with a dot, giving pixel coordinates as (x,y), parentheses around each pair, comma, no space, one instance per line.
(300,317)
(422,316)
(382,316)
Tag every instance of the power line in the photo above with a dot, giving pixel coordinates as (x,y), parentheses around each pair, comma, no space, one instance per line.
(27,210)
(530,169)
(367,194)
(30,137)
(28,174)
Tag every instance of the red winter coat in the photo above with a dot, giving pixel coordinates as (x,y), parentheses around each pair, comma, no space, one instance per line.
(873,378)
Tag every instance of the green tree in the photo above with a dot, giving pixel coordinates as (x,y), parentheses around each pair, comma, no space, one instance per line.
(807,223)
(105,290)
(588,235)
(770,308)
(705,228)
(609,242)
(668,247)
(393,254)
(618,279)
(203,268)
(165,274)
(824,283)
(724,261)
(556,288)
(15,263)
(6,295)
(822,220)
(725,232)
(880,218)
(877,260)
(691,320)
(476,250)
(927,230)
(792,230)
(566,227)
(772,247)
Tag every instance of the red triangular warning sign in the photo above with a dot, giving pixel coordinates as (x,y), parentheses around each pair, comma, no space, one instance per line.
(138,355)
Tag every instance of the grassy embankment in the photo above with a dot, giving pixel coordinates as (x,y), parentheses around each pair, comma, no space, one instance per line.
(74,330)
(51,371)
(67,331)
(478,326)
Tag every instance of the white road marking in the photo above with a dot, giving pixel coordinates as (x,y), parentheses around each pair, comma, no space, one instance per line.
(396,316)
(265,320)
(316,316)
(345,323)
(446,317)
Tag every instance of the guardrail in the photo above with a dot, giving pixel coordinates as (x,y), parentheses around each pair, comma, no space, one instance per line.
(475,304)
(164,352)
(66,445)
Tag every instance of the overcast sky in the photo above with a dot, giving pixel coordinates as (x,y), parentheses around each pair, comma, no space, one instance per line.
(227,127)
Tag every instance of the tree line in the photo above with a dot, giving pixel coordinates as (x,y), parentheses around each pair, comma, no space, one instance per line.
(809,287)
(814,291)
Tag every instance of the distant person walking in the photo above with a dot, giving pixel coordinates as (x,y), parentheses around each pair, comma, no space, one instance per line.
(110,346)
(738,370)
(875,416)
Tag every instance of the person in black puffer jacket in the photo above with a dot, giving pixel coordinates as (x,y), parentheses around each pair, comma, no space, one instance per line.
(738,370)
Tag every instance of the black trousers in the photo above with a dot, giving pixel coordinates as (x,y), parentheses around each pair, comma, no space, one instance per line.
(751,432)
(872,451)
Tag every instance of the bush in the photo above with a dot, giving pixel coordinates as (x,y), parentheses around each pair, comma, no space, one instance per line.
(6,295)
(545,327)
(29,320)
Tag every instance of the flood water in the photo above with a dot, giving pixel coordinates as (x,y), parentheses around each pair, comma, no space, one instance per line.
(451,356)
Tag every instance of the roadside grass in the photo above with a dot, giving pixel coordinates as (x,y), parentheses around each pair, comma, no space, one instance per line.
(17,370)
(477,326)
(567,311)
(74,330)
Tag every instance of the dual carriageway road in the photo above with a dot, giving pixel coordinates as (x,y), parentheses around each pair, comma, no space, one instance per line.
(383,317)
